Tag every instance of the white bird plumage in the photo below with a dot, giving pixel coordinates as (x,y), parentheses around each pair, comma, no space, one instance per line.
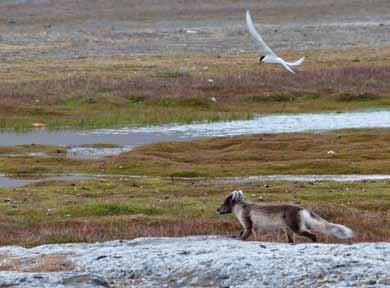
(270,56)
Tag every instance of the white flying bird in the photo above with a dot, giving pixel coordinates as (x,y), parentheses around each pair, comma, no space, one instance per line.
(270,56)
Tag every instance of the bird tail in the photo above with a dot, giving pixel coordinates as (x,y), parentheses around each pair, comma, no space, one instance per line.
(296,63)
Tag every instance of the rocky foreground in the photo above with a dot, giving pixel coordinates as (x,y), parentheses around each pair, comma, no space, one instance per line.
(202,261)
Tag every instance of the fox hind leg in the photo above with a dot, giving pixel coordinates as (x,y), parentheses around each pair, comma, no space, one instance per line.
(309,235)
(293,221)
(296,229)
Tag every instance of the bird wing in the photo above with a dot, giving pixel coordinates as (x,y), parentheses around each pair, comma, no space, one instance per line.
(287,67)
(256,35)
(296,63)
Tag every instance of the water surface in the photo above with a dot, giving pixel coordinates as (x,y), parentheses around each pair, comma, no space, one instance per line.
(9,181)
(130,137)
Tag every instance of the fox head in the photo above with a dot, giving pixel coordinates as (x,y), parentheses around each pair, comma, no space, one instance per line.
(227,205)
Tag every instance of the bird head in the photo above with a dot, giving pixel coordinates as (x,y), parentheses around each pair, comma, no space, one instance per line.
(261,59)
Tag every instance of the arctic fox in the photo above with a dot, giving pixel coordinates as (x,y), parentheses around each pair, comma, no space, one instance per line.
(290,218)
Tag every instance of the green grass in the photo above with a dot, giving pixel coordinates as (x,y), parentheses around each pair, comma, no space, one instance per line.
(107,209)
(101,210)
(186,102)
(142,116)
(347,97)
(171,74)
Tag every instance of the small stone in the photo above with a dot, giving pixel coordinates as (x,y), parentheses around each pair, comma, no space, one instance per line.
(38,125)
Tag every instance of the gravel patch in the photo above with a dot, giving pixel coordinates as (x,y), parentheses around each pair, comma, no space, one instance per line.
(71,29)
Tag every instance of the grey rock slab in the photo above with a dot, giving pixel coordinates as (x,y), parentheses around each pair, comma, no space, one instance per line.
(207,261)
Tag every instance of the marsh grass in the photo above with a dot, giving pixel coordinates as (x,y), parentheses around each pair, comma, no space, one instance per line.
(25,149)
(171,74)
(357,151)
(347,97)
(138,116)
(107,209)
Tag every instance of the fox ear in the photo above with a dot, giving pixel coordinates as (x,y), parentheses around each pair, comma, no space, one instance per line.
(237,195)
(241,194)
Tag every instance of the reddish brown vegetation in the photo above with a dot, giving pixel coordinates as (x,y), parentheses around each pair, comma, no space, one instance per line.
(368,227)
(355,81)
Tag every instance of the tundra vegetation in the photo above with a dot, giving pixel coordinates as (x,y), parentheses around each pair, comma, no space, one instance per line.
(106,209)
(356,151)
(181,204)
(145,90)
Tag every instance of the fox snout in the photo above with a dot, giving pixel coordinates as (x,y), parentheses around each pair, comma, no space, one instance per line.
(222,210)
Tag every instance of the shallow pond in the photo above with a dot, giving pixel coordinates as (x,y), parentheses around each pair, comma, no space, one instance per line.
(128,138)
(298,178)
(8,181)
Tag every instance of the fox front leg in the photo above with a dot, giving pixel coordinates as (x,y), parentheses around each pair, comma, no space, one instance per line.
(245,234)
(290,236)
(239,236)
(247,225)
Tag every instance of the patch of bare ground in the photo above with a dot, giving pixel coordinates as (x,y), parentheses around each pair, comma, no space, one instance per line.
(45,263)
